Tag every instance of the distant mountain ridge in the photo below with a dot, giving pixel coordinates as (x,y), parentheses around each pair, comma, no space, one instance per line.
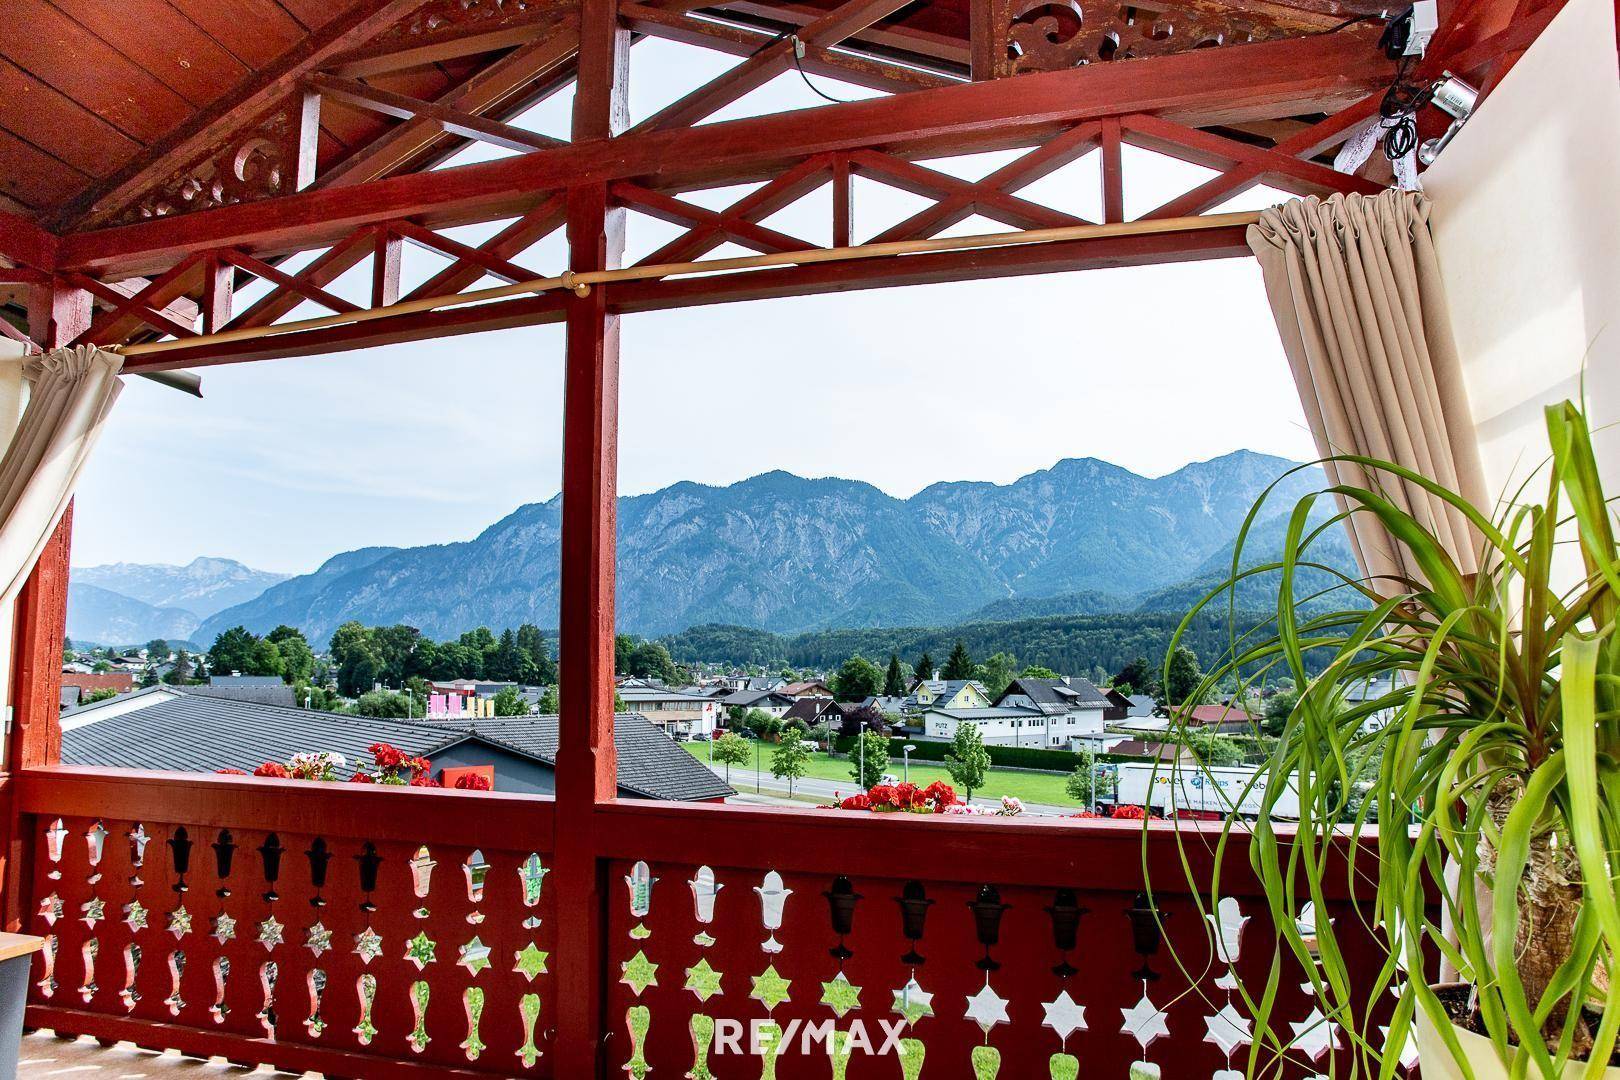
(789,554)
(126,603)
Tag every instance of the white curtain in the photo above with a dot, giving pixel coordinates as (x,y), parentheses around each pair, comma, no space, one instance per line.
(71,391)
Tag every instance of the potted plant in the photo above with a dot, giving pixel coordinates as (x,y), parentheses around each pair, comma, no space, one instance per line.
(1466,726)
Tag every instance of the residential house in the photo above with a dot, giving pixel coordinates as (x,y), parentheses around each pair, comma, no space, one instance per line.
(119,682)
(769,701)
(1074,710)
(1142,705)
(806,688)
(811,711)
(179,729)
(677,712)
(947,694)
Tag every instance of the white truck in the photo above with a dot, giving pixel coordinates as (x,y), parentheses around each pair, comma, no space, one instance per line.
(1171,789)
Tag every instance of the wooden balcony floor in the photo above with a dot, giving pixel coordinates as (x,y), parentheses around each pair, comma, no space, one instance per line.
(44,1054)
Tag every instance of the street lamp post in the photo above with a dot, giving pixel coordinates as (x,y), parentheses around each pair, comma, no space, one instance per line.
(410,703)
(905,757)
(756,764)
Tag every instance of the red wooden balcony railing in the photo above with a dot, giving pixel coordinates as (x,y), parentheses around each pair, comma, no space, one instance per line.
(919,947)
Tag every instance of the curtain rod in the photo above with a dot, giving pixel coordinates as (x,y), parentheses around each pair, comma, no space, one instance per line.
(581,283)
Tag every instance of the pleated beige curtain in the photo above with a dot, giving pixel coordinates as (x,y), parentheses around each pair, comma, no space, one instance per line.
(1355,288)
(71,391)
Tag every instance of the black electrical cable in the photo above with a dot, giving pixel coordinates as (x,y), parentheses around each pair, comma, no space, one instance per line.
(1399,109)
(798,64)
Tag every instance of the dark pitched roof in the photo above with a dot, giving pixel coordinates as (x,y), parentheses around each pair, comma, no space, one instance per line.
(1075,694)
(271,693)
(808,709)
(174,729)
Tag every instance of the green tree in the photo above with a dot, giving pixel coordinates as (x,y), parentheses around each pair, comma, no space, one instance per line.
(857,679)
(239,651)
(533,644)
(508,702)
(959,665)
(731,749)
(359,671)
(924,668)
(94,696)
(869,759)
(967,760)
(1215,749)
(318,698)
(1082,783)
(381,703)
(1182,676)
(894,680)
(790,761)
(1279,707)
(548,704)
(158,650)
(762,723)
(297,658)
(996,673)
(1035,671)
(646,660)
(1137,675)
(180,674)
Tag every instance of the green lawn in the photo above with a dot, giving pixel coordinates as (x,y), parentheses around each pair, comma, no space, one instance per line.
(1035,787)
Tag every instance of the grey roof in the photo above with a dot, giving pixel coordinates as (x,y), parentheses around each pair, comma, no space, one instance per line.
(750,698)
(1143,705)
(995,712)
(1075,694)
(274,692)
(175,729)
(244,680)
(885,704)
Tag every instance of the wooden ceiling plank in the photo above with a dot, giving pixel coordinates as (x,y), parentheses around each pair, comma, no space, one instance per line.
(44,116)
(175,50)
(22,243)
(454,121)
(206,129)
(1206,86)
(33,177)
(90,71)
(257,32)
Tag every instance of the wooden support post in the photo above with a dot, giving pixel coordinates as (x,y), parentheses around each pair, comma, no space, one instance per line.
(587,768)
(1113,172)
(385,262)
(843,208)
(219,294)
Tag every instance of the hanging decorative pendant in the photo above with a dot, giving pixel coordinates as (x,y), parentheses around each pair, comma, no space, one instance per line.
(640,882)
(270,853)
(47,956)
(476,871)
(177,969)
(365,988)
(638,1021)
(95,839)
(419,1038)
(224,855)
(1065,914)
(88,952)
(1067,1067)
(987,911)
(1146,934)
(132,966)
(914,905)
(986,1062)
(179,922)
(369,862)
(529,1013)
(770,989)
(422,864)
(472,1003)
(135,916)
(702,980)
(219,1010)
(840,995)
(138,839)
(773,898)
(913,1002)
(1064,1016)
(222,928)
(532,875)
(1144,1021)
(912,1054)
(55,833)
(319,857)
(315,984)
(180,857)
(367,945)
(705,889)
(638,973)
(268,973)
(987,1008)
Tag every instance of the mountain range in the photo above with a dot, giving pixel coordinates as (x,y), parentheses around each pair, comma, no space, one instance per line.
(777,552)
(126,603)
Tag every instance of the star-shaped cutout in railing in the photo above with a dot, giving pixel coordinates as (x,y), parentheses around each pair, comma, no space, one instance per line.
(913,1002)
(840,995)
(135,915)
(421,950)
(93,911)
(474,956)
(530,961)
(1315,1035)
(770,989)
(703,980)
(222,928)
(1064,1015)
(179,922)
(367,945)
(270,933)
(1228,1029)
(639,973)
(318,939)
(1144,1021)
(987,1008)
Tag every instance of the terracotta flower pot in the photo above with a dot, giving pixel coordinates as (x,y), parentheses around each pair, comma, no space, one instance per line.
(1438,1063)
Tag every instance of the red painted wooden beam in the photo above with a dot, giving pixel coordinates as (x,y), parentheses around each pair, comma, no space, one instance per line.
(724,288)
(1270,79)
(22,243)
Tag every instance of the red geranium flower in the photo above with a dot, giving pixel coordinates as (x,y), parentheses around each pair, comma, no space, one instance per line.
(362,778)
(272,768)
(230,772)
(473,782)
(425,781)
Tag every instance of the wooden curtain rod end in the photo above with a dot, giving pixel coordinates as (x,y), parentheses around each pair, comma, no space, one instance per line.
(578,288)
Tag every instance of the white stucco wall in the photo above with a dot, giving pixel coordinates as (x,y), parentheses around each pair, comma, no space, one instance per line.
(1527,223)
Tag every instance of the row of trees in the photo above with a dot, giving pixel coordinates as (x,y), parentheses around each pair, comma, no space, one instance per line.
(363,656)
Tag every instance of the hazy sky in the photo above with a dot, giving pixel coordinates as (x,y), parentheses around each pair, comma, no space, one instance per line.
(285,463)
